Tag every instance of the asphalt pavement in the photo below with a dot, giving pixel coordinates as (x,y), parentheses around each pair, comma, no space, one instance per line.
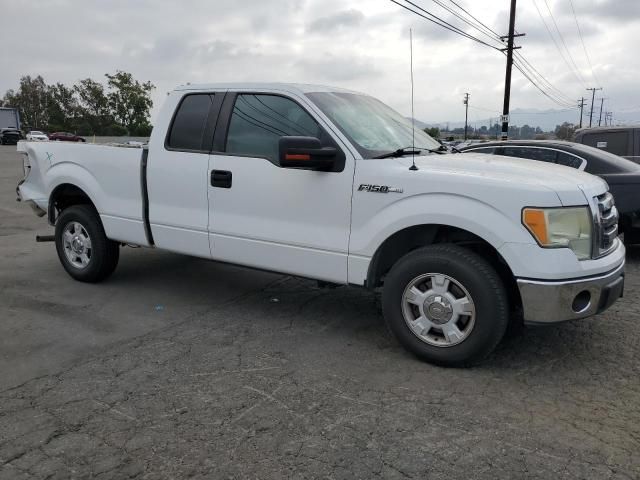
(179,367)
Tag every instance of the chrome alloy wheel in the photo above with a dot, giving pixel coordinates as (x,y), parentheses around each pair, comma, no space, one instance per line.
(77,244)
(438,309)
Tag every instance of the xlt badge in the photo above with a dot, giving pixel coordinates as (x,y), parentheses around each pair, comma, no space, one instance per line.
(378,188)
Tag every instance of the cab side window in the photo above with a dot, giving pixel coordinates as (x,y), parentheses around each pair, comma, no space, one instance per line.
(189,123)
(258,121)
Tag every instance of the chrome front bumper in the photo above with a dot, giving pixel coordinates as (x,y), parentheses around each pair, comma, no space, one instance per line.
(545,302)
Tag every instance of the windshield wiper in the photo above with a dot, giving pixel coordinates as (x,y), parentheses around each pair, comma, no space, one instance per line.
(440,150)
(399,153)
(412,151)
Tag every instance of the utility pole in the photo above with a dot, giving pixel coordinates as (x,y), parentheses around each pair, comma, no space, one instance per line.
(507,78)
(466,113)
(581,105)
(601,104)
(593,98)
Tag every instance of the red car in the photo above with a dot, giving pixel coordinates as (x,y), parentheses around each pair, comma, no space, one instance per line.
(65,137)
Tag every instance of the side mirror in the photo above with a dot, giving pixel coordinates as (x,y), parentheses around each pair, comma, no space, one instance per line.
(305,152)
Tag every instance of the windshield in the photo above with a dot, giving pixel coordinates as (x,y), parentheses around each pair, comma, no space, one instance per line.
(372,127)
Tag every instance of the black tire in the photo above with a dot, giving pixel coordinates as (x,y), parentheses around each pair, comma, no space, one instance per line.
(103,254)
(473,273)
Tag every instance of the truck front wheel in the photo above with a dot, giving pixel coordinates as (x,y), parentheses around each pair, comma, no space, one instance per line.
(83,248)
(446,304)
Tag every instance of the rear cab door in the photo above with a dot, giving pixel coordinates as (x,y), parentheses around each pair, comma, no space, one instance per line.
(178,169)
(290,220)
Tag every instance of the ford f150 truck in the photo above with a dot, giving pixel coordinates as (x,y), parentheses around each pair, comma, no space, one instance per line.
(329,184)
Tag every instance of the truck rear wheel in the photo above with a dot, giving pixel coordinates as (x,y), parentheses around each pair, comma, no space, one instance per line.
(83,248)
(445,304)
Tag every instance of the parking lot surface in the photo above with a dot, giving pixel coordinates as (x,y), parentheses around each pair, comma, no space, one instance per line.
(178,367)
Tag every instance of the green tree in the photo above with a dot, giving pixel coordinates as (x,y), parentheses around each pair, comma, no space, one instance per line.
(527,132)
(93,106)
(129,100)
(32,100)
(433,132)
(62,107)
(565,131)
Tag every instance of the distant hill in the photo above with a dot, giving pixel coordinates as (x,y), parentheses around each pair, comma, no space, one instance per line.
(419,124)
(545,119)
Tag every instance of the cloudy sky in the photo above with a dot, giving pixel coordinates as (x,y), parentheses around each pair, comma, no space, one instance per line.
(359,44)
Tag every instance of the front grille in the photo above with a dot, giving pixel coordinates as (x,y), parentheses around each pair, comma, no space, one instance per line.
(606,224)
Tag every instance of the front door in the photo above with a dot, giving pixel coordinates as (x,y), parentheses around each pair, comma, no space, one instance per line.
(288,220)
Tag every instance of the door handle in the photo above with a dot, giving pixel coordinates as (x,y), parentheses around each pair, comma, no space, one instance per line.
(221,178)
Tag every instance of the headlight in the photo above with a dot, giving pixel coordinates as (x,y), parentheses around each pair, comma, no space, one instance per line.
(561,228)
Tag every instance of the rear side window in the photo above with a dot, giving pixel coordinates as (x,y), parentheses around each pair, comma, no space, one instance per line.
(258,122)
(569,160)
(488,150)
(189,123)
(540,154)
(613,142)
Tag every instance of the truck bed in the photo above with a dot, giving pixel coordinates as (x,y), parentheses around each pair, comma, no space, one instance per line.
(112,173)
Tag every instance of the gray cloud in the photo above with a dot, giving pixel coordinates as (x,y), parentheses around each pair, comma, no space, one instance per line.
(343,19)
(337,68)
(363,47)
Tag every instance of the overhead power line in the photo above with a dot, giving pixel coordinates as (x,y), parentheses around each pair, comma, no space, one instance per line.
(535,84)
(584,48)
(555,24)
(474,18)
(544,83)
(522,64)
(562,54)
(478,28)
(438,21)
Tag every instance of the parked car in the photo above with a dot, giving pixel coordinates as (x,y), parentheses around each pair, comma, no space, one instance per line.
(10,136)
(65,137)
(322,183)
(623,141)
(623,176)
(37,135)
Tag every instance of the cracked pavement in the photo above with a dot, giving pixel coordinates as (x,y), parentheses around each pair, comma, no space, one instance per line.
(178,367)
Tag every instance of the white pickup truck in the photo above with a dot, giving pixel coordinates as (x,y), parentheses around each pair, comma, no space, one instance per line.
(324,183)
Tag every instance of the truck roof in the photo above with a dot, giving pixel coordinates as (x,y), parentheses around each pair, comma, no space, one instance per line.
(299,88)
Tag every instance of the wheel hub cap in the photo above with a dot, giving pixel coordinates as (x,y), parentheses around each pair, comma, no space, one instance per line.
(77,245)
(438,309)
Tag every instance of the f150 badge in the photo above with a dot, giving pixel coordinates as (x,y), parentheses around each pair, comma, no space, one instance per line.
(365,187)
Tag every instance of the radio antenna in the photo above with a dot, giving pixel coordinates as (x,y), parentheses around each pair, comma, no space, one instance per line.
(413,120)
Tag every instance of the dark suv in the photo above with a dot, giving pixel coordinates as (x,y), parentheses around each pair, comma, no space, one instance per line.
(623,141)
(9,136)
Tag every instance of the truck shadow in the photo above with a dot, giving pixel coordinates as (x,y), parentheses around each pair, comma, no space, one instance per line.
(302,311)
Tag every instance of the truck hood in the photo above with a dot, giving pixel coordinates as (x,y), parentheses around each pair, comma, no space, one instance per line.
(568,183)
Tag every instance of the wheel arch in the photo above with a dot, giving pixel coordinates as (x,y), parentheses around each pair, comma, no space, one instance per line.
(410,238)
(64,196)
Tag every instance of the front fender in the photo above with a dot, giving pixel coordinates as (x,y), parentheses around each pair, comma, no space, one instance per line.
(368,233)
